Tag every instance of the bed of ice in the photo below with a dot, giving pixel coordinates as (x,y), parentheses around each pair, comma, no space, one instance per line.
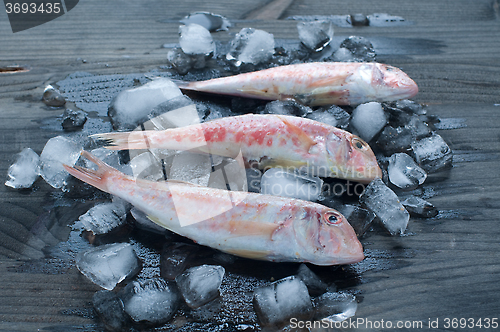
(146,285)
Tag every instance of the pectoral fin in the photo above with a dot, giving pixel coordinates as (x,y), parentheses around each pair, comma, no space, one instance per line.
(252,254)
(306,141)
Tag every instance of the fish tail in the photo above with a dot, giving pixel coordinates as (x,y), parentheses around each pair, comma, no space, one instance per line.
(183,85)
(96,178)
(124,140)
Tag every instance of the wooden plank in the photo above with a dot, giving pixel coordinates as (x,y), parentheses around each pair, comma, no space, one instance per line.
(446,267)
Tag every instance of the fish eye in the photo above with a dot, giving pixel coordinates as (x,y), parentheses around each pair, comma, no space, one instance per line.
(359,144)
(333,218)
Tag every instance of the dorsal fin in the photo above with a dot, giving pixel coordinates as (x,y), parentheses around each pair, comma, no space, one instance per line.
(306,141)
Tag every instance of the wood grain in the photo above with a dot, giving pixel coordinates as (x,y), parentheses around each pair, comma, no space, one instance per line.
(447,266)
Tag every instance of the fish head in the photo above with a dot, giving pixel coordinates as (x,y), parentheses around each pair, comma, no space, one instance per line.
(392,83)
(351,158)
(380,82)
(325,237)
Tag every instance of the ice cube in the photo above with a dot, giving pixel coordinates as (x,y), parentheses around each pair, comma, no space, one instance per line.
(343,55)
(109,264)
(385,204)
(195,39)
(200,284)
(392,140)
(251,46)
(280,182)
(359,19)
(368,120)
(102,218)
(58,151)
(360,219)
(110,157)
(333,116)
(253,179)
(146,166)
(153,301)
(131,107)
(181,62)
(52,97)
(109,308)
(73,119)
(335,306)
(411,106)
(143,222)
(175,258)
(314,284)
(191,167)
(419,207)
(177,112)
(418,126)
(287,107)
(361,48)
(230,175)
(404,172)
(209,21)
(24,171)
(432,153)
(315,35)
(281,300)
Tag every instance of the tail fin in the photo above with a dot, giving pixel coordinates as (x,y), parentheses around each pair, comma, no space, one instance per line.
(183,85)
(96,178)
(124,140)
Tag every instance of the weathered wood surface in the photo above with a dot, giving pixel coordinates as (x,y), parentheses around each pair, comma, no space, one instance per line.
(447,267)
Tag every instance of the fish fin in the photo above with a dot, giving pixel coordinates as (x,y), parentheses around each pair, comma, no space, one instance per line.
(124,140)
(154,219)
(307,141)
(267,163)
(252,254)
(238,228)
(260,94)
(183,85)
(96,178)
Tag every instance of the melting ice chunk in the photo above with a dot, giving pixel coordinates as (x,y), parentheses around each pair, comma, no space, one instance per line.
(230,175)
(335,307)
(102,218)
(361,48)
(73,119)
(195,39)
(24,171)
(280,182)
(58,151)
(343,55)
(432,153)
(386,205)
(131,107)
(253,179)
(200,284)
(333,116)
(52,97)
(314,284)
(175,258)
(109,308)
(143,222)
(404,172)
(368,120)
(282,300)
(212,22)
(108,265)
(419,207)
(251,46)
(152,301)
(399,139)
(191,167)
(315,35)
(360,219)
(288,107)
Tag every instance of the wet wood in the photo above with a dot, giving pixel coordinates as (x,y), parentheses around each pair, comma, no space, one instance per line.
(446,267)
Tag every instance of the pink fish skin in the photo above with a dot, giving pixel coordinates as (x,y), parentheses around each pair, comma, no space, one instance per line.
(270,140)
(245,224)
(314,84)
